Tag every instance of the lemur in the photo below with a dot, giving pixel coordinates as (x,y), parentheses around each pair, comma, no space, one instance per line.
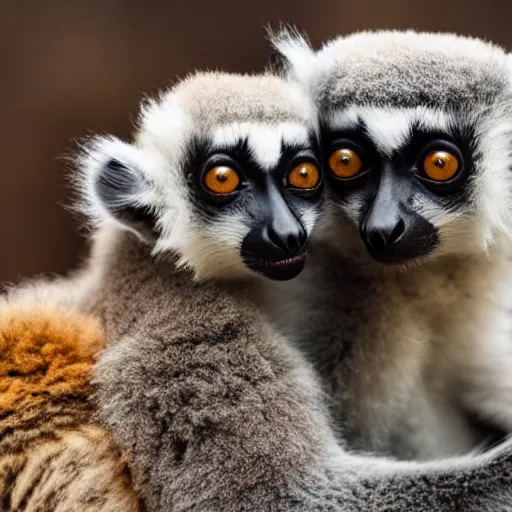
(404,307)
(214,408)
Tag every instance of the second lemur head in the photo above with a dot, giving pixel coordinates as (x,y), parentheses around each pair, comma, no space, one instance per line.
(417,138)
(223,172)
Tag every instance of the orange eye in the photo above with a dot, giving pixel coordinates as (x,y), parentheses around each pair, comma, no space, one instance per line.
(345,163)
(304,175)
(221,180)
(440,165)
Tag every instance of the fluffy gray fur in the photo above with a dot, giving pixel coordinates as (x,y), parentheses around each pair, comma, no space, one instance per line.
(214,407)
(402,69)
(417,360)
(218,412)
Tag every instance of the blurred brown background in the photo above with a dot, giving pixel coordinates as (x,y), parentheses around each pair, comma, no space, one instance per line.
(69,68)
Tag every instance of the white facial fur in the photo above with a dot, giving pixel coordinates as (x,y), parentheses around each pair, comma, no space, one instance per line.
(264,142)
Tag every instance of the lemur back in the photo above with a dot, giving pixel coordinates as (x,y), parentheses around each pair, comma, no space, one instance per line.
(54,455)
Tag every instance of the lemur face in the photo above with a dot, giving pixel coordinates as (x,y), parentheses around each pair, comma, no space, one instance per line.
(416,139)
(225,173)
(261,204)
(402,176)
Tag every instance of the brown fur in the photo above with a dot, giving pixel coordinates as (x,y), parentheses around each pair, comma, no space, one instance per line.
(45,352)
(52,456)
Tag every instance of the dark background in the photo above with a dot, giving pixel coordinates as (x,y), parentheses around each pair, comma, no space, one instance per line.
(69,68)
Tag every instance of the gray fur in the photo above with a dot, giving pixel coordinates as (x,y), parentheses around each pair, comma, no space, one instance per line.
(400,69)
(409,358)
(218,412)
(238,98)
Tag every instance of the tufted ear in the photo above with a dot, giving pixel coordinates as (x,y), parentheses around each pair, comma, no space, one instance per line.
(114,183)
(294,53)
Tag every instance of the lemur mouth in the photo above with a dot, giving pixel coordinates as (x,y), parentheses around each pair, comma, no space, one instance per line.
(279,270)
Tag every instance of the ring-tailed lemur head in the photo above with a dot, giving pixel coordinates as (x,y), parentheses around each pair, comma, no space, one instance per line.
(416,137)
(223,172)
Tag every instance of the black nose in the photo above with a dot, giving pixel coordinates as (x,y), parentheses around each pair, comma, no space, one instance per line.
(289,236)
(276,246)
(276,249)
(398,236)
(382,235)
(392,230)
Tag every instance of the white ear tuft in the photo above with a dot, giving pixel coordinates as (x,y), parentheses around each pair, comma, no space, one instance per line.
(297,52)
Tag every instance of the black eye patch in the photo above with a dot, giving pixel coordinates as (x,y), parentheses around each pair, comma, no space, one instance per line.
(458,142)
(458,139)
(253,180)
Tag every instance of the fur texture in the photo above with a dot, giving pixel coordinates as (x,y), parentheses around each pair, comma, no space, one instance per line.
(417,359)
(222,414)
(398,69)
(215,409)
(52,455)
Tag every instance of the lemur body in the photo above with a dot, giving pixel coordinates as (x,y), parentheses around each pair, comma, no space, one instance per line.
(221,413)
(396,355)
(409,321)
(214,408)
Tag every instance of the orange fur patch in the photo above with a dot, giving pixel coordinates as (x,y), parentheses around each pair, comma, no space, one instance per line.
(45,352)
